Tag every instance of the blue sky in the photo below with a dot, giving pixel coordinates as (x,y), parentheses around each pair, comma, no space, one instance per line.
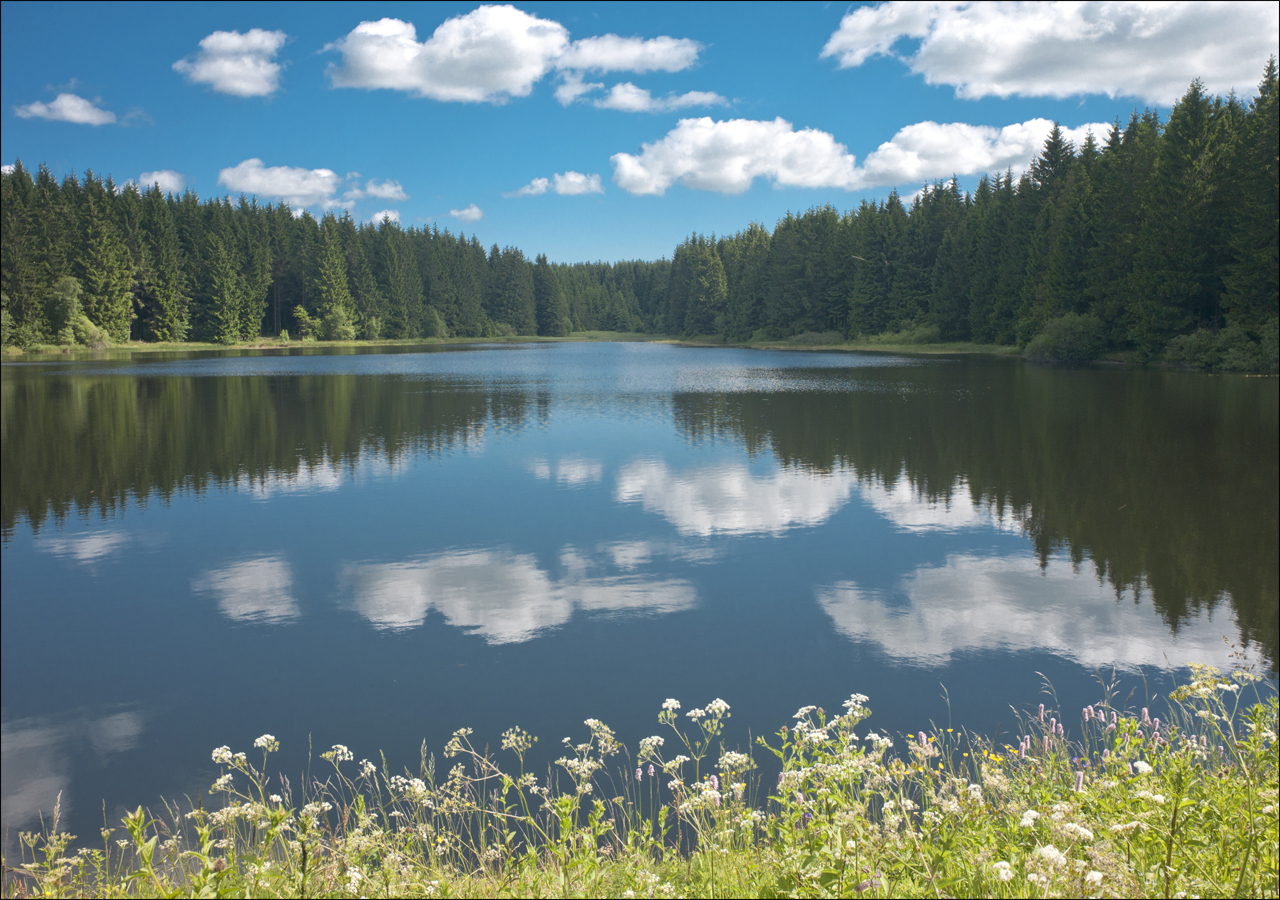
(589,130)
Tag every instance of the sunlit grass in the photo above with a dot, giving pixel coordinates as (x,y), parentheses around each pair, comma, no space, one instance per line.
(1124,803)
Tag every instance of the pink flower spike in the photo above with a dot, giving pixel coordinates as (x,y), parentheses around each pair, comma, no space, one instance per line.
(650,770)
(1041,712)
(1079,781)
(923,739)
(638,774)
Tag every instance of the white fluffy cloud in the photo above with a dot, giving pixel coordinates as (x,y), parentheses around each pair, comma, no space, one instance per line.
(169,181)
(728,156)
(629,98)
(294,185)
(611,53)
(568,184)
(386,190)
(1145,50)
(492,54)
(7,169)
(392,214)
(239,64)
(929,150)
(468,215)
(67,108)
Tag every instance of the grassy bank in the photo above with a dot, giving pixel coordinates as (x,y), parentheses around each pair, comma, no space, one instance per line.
(1125,803)
(140,349)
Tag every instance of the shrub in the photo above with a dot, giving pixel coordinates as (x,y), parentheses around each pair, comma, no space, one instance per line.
(1233,349)
(1071,339)
(910,334)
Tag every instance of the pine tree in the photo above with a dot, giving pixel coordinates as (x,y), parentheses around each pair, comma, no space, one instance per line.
(552,309)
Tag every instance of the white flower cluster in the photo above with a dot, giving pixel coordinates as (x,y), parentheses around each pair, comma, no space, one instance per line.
(1003,870)
(649,746)
(267,742)
(1051,855)
(340,753)
(1079,832)
(1143,768)
(1029,819)
(718,707)
(670,704)
(732,761)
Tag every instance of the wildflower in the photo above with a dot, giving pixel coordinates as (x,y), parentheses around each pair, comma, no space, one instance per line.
(276,798)
(639,773)
(367,769)
(671,704)
(1051,855)
(267,742)
(1143,768)
(222,756)
(855,701)
(339,753)
(1041,712)
(696,713)
(649,745)
(1080,780)
(717,707)
(1146,716)
(223,783)
(1029,819)
(1078,831)
(732,761)
(921,737)
(803,711)
(651,770)
(1004,871)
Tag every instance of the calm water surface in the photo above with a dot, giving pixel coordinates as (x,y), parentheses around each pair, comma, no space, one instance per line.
(374,549)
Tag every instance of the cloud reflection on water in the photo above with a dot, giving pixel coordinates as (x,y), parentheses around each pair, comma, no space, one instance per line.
(257,589)
(503,596)
(979,603)
(36,763)
(729,499)
(86,548)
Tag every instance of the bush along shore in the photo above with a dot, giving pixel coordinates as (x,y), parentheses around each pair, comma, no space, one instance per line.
(1135,805)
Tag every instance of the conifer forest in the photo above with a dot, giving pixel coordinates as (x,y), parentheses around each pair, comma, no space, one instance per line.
(1158,239)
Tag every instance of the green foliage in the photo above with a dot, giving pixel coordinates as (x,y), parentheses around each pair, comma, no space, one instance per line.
(1231,349)
(1070,338)
(919,333)
(1132,806)
(1156,230)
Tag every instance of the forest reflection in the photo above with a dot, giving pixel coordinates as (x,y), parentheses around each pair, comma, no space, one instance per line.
(1153,478)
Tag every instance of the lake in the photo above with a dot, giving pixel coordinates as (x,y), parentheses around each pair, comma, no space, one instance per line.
(377,548)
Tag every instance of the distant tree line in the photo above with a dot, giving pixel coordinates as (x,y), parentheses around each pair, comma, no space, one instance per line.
(1161,239)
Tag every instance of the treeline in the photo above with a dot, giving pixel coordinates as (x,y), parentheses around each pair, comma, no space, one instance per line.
(1162,238)
(86,260)
(1159,237)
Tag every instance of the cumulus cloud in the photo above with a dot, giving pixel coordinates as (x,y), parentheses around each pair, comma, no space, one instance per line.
(728,156)
(238,64)
(629,98)
(378,217)
(68,108)
(611,53)
(492,54)
(387,190)
(1145,50)
(7,169)
(294,185)
(572,86)
(976,603)
(929,150)
(567,184)
(169,181)
(468,215)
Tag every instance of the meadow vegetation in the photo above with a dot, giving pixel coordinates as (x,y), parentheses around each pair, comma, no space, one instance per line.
(1125,804)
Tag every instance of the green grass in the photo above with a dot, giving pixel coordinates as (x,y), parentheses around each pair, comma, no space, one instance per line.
(803,342)
(1132,807)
